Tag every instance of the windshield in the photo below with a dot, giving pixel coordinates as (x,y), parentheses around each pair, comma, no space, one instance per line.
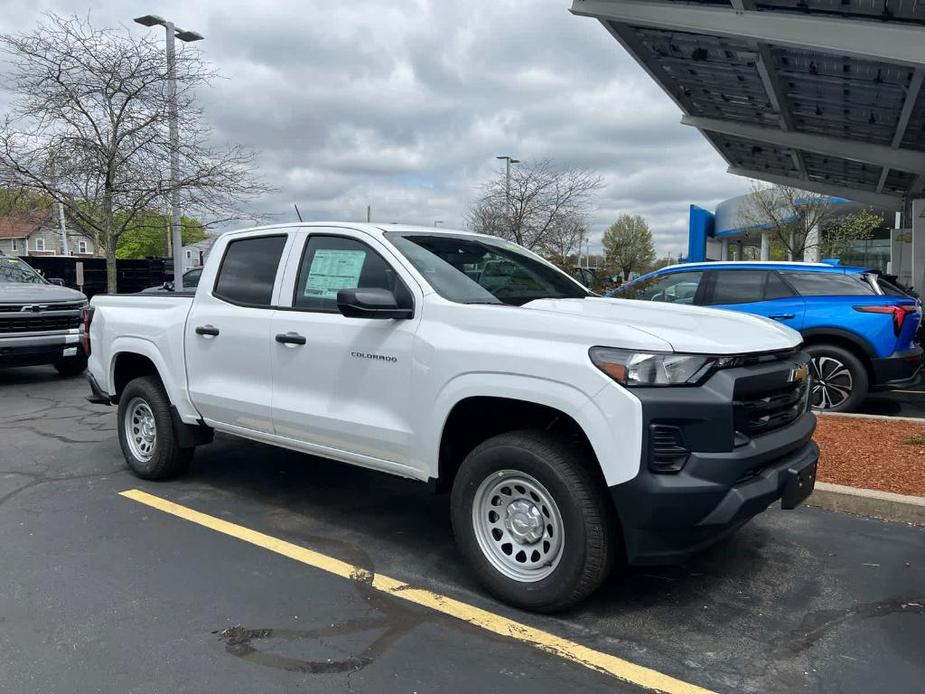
(473,270)
(14,271)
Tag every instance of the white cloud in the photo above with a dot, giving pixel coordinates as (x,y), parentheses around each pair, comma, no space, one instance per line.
(403,106)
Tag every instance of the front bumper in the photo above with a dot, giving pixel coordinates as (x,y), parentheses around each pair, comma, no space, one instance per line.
(31,349)
(897,370)
(734,468)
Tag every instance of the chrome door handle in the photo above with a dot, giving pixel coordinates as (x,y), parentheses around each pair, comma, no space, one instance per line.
(207,330)
(290,339)
(783,316)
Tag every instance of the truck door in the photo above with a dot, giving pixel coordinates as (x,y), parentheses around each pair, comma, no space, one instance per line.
(228,339)
(343,384)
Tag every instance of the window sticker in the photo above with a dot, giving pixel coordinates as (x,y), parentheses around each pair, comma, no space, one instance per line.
(332,270)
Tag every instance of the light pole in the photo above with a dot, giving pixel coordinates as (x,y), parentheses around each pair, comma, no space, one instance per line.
(173,31)
(507,187)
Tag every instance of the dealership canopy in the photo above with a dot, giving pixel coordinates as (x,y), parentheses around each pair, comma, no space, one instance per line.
(823,95)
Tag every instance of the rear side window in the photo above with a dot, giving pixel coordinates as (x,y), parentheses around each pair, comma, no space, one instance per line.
(248,271)
(828,284)
(675,288)
(747,286)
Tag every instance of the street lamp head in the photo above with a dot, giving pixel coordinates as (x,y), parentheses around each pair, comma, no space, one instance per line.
(515,161)
(189,36)
(150,20)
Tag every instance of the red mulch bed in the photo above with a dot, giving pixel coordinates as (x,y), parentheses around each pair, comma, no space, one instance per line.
(870,453)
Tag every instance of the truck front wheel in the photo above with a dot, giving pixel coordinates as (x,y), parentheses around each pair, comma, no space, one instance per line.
(532,520)
(146,432)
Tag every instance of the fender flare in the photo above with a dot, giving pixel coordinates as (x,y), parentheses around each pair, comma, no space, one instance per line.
(842,334)
(618,463)
(176,392)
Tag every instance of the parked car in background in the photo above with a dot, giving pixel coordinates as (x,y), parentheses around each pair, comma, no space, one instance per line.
(40,322)
(190,282)
(862,331)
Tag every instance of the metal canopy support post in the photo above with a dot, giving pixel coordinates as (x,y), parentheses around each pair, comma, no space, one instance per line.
(864,39)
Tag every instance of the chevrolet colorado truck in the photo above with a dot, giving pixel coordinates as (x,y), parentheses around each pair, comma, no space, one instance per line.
(575,433)
(40,322)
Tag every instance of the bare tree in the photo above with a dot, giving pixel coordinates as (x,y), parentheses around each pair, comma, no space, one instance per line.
(544,211)
(798,221)
(628,244)
(89,129)
(789,215)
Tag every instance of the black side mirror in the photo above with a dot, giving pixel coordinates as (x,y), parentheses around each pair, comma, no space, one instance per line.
(371,303)
(57,281)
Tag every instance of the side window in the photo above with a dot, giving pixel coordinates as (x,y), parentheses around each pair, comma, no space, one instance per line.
(248,270)
(747,286)
(332,263)
(675,287)
(828,284)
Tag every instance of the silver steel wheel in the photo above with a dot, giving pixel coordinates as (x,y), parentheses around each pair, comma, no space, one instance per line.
(832,382)
(140,429)
(518,526)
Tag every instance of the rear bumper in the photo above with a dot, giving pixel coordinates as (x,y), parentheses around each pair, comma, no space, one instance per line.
(27,349)
(897,370)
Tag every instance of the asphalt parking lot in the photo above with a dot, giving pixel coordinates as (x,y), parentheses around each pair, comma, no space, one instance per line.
(101,593)
(904,402)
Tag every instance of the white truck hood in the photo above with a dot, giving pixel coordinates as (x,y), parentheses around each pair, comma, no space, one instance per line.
(686,328)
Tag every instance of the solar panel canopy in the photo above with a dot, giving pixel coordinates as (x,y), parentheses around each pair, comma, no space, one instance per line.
(823,95)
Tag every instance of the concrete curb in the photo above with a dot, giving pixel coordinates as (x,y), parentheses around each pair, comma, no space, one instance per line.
(869,502)
(885,417)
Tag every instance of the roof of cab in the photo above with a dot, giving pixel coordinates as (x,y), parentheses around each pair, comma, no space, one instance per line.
(369,227)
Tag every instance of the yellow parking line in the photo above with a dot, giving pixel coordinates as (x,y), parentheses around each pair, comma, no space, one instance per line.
(543,640)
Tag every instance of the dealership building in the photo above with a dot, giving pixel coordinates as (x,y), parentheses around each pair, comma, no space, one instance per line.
(821,95)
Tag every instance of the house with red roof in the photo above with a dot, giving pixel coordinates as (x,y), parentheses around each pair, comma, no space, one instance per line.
(38,232)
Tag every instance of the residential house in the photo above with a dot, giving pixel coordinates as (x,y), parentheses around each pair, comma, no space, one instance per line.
(195,254)
(38,232)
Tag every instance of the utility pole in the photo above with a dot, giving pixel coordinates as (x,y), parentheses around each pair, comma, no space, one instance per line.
(369,213)
(507,189)
(173,32)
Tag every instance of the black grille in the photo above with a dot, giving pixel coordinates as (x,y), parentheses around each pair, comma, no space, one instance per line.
(36,322)
(765,412)
(17,308)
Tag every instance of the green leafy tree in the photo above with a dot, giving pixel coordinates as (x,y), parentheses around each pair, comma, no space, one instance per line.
(628,244)
(839,233)
(147,236)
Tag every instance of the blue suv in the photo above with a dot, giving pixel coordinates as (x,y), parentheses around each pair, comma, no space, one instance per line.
(861,330)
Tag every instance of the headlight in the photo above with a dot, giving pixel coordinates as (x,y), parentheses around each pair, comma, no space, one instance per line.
(653,368)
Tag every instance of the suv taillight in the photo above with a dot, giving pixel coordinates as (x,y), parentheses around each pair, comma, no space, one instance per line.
(899,314)
(86,317)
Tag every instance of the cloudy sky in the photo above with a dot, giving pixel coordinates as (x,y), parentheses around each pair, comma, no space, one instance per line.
(403,104)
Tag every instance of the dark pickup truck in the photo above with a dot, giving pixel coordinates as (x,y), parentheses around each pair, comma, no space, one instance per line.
(40,322)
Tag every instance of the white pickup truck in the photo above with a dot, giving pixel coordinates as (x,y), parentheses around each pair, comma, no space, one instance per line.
(574,431)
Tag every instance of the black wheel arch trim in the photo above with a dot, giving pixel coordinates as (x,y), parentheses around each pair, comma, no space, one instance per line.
(842,334)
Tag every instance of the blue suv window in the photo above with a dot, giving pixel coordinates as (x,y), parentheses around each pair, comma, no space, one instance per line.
(674,287)
(828,284)
(747,286)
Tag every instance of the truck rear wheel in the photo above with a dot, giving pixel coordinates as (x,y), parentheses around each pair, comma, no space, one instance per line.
(532,520)
(146,432)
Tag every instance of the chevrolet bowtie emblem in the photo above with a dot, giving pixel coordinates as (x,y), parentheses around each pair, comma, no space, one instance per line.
(799,374)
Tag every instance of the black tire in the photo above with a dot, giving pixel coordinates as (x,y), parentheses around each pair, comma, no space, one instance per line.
(166,458)
(834,371)
(588,536)
(71,366)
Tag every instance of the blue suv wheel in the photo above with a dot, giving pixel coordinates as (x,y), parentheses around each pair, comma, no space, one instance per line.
(840,381)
